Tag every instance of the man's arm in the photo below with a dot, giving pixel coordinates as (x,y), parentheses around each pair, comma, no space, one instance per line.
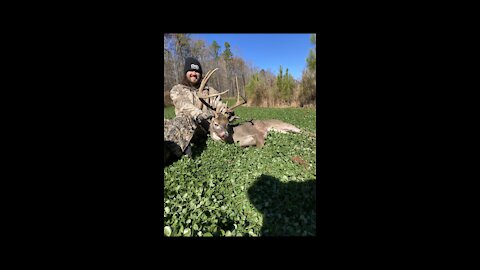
(181,100)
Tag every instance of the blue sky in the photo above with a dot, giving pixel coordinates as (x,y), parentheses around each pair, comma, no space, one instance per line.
(267,51)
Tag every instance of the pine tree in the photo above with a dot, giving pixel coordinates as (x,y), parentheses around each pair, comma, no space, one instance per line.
(279,84)
(215,49)
(289,85)
(228,57)
(227,53)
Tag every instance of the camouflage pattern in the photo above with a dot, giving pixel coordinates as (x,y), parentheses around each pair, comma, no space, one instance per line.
(184,128)
(177,133)
(186,101)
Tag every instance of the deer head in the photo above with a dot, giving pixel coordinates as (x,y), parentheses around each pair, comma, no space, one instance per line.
(219,123)
(219,130)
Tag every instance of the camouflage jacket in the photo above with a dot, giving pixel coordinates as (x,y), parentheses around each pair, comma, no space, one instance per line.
(186,101)
(179,131)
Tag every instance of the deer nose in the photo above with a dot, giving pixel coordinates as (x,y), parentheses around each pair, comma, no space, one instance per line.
(224,135)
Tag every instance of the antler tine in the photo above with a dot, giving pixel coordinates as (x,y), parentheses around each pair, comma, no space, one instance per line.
(212,95)
(239,103)
(220,108)
(205,79)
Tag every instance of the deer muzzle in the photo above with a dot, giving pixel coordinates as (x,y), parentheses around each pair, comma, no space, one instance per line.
(223,135)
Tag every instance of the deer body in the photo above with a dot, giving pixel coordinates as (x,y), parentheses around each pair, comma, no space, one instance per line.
(246,134)
(252,133)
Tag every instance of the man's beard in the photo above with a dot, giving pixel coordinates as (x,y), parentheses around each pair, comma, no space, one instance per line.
(187,82)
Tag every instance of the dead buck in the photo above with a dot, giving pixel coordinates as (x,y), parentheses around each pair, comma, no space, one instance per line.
(250,133)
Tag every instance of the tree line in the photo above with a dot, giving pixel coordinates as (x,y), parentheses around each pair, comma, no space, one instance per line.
(260,87)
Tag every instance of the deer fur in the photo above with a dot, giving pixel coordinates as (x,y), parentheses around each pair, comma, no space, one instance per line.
(251,133)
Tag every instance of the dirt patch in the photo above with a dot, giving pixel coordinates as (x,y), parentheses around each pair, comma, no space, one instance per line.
(300,161)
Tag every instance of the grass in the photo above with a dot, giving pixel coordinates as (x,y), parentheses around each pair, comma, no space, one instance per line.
(226,190)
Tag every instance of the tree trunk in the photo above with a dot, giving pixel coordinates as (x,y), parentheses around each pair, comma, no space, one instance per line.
(244,94)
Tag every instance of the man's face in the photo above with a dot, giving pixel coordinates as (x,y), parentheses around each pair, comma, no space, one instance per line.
(193,76)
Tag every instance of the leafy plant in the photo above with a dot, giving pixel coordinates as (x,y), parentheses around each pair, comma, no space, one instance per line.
(228,191)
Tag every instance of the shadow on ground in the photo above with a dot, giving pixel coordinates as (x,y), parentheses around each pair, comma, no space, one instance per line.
(289,209)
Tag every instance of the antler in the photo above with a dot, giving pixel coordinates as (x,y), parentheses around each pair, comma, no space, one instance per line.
(205,79)
(202,85)
(239,103)
(224,108)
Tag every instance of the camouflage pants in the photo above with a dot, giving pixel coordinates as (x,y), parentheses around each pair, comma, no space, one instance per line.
(177,133)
